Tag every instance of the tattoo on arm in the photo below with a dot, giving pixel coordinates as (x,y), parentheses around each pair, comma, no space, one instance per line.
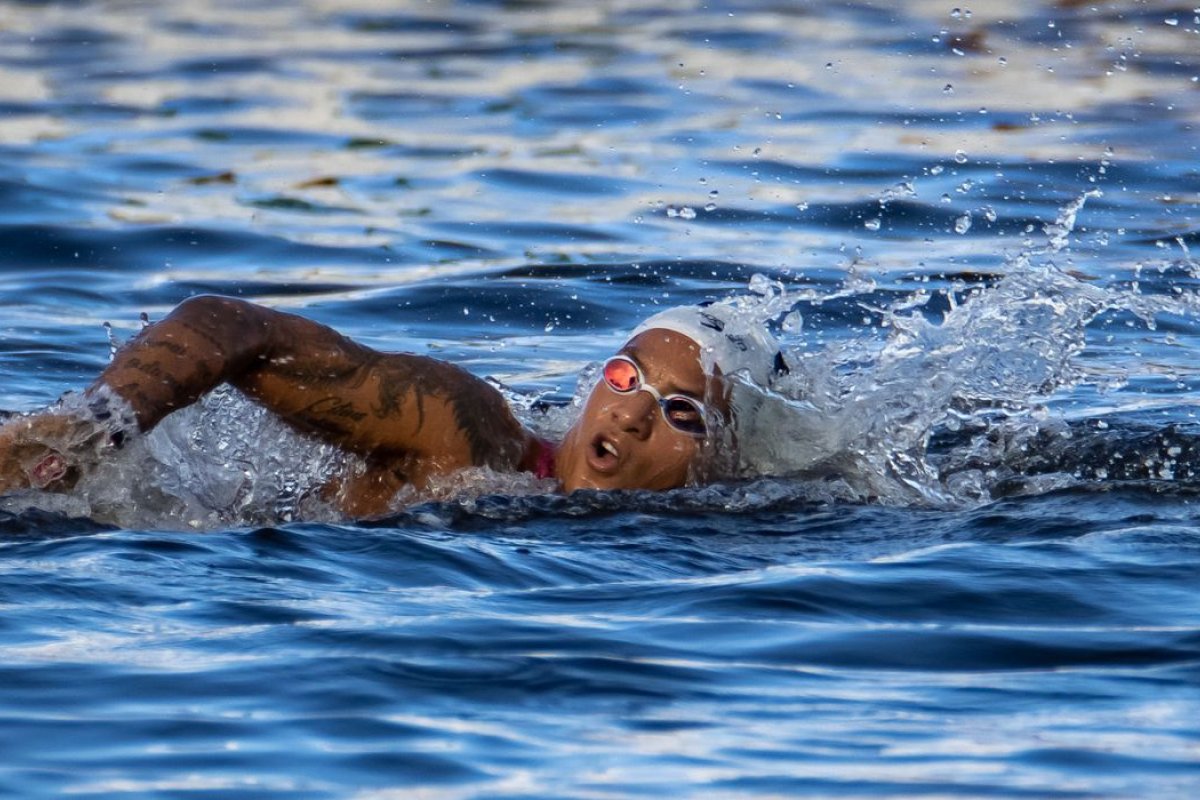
(334,407)
(174,348)
(196,330)
(392,389)
(404,390)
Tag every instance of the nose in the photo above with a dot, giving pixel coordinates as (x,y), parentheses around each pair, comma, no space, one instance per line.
(634,413)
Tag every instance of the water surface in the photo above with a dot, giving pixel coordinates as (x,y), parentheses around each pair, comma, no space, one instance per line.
(961,561)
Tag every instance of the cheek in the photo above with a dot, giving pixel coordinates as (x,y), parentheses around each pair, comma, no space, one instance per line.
(682,449)
(597,402)
(668,461)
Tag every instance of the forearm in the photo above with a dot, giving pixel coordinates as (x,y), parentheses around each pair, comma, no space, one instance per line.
(204,342)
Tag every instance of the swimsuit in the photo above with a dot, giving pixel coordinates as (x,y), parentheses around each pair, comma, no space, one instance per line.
(543,465)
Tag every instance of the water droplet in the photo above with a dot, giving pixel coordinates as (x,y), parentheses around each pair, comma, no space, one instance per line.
(962,224)
(947,199)
(112,340)
(762,285)
(1172,21)
(989,214)
(549,326)
(872,224)
(793,322)
(948,88)
(687,212)
(711,207)
(802,207)
(1003,61)
(936,169)
(896,192)
(960,157)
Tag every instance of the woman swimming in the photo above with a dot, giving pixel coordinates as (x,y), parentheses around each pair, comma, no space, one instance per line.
(412,419)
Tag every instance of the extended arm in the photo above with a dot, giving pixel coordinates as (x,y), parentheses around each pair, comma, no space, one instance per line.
(410,413)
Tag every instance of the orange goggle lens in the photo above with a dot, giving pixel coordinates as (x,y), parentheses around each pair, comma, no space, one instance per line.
(622,375)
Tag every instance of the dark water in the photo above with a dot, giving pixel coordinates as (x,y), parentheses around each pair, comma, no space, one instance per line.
(964,560)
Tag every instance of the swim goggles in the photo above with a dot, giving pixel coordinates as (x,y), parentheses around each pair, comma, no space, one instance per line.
(684,414)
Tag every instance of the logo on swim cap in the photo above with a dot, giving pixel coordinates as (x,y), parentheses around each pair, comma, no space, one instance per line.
(709,321)
(728,343)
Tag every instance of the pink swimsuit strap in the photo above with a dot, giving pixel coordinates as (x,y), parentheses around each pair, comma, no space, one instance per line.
(544,466)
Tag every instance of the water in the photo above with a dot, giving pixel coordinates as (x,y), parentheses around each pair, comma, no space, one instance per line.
(957,555)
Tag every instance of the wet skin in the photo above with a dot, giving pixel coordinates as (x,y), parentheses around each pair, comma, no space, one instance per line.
(411,418)
(622,441)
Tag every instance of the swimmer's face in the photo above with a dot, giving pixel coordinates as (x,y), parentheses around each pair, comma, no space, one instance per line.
(622,441)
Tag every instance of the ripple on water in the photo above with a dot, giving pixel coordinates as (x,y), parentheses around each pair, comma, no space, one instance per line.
(513,185)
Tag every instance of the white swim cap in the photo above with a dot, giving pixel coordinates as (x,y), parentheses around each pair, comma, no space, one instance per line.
(728,342)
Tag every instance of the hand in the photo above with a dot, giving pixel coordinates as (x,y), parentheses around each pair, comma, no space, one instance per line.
(47,451)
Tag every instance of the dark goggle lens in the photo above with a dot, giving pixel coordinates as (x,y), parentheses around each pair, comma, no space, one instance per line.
(621,375)
(684,415)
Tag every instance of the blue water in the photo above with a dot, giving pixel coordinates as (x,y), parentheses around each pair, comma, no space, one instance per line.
(962,558)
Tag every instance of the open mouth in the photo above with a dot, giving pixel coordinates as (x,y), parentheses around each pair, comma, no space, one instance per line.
(603,456)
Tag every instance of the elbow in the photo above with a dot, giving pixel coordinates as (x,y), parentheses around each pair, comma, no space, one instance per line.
(229,326)
(223,316)
(211,309)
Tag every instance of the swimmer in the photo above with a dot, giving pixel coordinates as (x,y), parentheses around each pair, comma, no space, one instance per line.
(411,418)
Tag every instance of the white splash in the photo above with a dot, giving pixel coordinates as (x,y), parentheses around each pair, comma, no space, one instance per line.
(861,412)
(223,461)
